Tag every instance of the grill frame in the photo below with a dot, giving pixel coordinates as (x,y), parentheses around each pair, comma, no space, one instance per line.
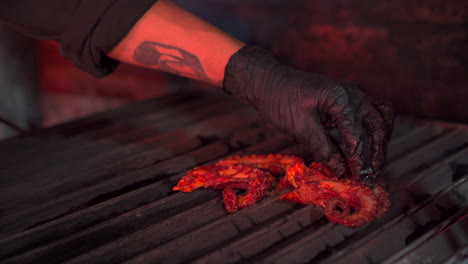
(99,189)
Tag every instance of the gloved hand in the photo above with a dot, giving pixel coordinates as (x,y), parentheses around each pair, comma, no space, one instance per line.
(304,104)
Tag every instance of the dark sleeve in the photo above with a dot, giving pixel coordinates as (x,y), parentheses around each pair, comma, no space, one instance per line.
(85,29)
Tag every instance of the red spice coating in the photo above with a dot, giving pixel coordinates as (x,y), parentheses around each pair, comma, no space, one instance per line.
(240,176)
(274,163)
(344,201)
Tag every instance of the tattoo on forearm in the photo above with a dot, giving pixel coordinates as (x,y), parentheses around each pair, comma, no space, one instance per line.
(170,59)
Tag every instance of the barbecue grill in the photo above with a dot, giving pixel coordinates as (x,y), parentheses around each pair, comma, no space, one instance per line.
(99,190)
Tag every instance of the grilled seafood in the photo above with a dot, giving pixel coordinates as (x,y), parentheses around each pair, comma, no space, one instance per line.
(344,201)
(229,177)
(383,200)
(298,173)
(273,163)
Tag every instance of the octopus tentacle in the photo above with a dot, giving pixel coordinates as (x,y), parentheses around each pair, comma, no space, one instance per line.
(293,178)
(383,200)
(345,202)
(322,169)
(240,176)
(230,200)
(298,173)
(199,177)
(274,163)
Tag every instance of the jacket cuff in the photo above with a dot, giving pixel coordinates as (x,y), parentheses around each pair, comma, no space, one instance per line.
(95,28)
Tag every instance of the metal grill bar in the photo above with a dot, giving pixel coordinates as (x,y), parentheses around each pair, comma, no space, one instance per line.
(14,147)
(332,237)
(83,145)
(99,190)
(109,170)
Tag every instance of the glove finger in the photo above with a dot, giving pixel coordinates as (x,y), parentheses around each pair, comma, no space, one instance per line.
(324,149)
(355,140)
(377,133)
(388,114)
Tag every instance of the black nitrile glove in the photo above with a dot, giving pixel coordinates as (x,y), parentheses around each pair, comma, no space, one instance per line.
(302,104)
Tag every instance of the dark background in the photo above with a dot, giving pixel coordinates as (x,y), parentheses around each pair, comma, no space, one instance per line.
(412,53)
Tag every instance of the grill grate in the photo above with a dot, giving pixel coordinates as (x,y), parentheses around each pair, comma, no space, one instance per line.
(99,190)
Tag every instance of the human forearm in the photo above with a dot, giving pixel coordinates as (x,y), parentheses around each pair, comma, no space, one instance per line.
(171,39)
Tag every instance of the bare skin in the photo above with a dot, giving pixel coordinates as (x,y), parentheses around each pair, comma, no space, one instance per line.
(170,39)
